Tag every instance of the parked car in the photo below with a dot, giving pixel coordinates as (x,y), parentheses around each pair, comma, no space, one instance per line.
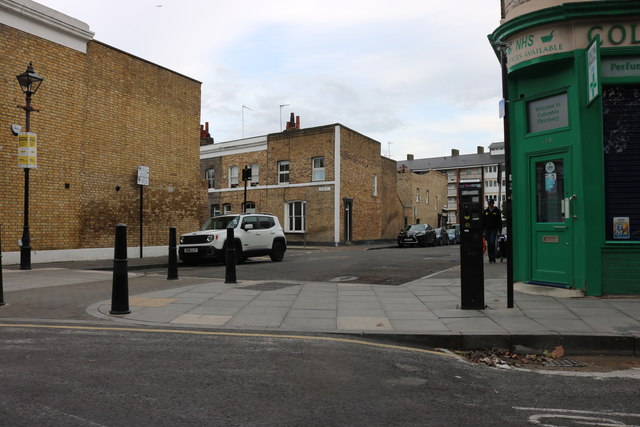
(454,234)
(254,235)
(417,234)
(442,238)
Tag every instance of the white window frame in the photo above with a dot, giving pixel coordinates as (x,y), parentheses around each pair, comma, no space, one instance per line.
(417,195)
(283,175)
(426,197)
(250,208)
(215,209)
(233,176)
(290,216)
(226,208)
(210,176)
(317,172)
(375,185)
(255,174)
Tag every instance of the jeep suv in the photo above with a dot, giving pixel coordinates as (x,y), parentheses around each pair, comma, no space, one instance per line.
(254,235)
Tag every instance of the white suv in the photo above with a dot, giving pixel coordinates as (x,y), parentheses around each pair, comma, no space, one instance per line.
(254,235)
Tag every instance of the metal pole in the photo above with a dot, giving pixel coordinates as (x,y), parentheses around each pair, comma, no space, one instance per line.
(244,177)
(141,215)
(25,248)
(1,286)
(507,155)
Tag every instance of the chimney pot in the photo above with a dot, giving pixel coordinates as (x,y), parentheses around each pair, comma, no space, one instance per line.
(297,122)
(409,156)
(455,152)
(480,149)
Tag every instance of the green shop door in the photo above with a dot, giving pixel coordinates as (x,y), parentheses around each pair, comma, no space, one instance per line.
(551,233)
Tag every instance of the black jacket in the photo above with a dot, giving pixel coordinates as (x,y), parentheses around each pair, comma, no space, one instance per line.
(492,219)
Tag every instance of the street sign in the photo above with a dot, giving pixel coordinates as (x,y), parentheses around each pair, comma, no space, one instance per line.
(143,175)
(593,70)
(27,150)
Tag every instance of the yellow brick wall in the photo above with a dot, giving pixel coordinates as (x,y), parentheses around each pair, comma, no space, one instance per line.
(427,208)
(102,114)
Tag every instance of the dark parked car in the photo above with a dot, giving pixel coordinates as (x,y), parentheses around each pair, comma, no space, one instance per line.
(417,234)
(442,238)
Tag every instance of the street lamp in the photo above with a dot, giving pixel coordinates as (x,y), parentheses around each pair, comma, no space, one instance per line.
(29,83)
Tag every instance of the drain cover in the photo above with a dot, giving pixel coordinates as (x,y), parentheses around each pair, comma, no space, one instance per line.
(563,363)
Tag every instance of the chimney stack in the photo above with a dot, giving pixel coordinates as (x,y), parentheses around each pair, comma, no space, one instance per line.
(409,156)
(480,149)
(455,152)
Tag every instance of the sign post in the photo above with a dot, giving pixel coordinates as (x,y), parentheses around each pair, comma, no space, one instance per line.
(143,179)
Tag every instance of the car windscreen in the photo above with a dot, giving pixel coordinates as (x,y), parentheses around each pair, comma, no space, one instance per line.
(220,223)
(416,227)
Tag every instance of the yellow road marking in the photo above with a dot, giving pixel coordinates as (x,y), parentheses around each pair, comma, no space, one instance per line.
(233,334)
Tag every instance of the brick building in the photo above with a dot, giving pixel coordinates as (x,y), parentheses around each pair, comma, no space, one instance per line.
(424,196)
(329,185)
(102,113)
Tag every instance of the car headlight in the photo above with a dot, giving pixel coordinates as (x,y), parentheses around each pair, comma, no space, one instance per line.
(210,238)
(181,240)
(420,234)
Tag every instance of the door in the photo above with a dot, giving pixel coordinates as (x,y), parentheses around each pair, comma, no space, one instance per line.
(551,218)
(348,218)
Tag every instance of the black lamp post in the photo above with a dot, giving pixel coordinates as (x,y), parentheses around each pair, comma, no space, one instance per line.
(29,83)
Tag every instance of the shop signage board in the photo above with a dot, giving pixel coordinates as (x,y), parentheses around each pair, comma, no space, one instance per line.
(593,70)
(27,150)
(548,113)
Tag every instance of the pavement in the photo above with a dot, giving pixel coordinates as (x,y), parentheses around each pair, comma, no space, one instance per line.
(422,312)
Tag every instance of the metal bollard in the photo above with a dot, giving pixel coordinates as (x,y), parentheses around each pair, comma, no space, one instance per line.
(172,273)
(230,258)
(120,288)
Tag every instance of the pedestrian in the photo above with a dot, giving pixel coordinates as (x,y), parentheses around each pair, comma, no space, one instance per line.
(491,226)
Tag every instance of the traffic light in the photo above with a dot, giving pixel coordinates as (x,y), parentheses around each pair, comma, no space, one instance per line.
(246,174)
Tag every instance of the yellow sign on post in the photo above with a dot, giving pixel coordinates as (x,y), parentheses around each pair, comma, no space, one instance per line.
(27,150)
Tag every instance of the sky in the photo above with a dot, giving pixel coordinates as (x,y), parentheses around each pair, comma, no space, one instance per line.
(418,76)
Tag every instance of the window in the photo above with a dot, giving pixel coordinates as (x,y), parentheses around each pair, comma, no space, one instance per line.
(283,172)
(226,208)
(209,175)
(249,207)
(233,176)
(317,169)
(417,195)
(426,197)
(295,217)
(375,185)
(255,174)
(215,210)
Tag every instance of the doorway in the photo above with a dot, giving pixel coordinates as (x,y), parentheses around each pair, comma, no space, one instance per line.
(551,207)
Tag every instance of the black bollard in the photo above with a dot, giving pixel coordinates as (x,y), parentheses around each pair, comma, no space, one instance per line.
(230,258)
(172,273)
(120,289)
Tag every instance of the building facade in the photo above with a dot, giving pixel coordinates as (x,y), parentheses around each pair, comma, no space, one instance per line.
(102,113)
(328,185)
(423,196)
(573,79)
(487,168)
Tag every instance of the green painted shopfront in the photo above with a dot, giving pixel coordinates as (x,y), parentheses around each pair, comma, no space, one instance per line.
(574,117)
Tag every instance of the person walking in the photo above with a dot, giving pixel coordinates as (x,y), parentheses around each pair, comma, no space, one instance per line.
(491,226)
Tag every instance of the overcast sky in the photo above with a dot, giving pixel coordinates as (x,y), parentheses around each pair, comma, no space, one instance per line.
(418,76)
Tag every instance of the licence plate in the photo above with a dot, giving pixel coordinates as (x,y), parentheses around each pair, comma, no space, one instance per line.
(190,250)
(408,239)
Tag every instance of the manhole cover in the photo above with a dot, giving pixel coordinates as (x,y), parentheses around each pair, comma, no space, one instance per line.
(563,363)
(269,286)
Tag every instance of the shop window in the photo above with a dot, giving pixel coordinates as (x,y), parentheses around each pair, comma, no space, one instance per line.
(621,126)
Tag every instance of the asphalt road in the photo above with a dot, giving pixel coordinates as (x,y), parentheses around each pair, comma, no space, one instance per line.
(79,376)
(388,265)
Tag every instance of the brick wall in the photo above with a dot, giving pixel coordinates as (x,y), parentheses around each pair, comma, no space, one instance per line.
(432,191)
(103,113)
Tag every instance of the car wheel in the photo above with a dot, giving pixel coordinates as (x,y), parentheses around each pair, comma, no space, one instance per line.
(277,252)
